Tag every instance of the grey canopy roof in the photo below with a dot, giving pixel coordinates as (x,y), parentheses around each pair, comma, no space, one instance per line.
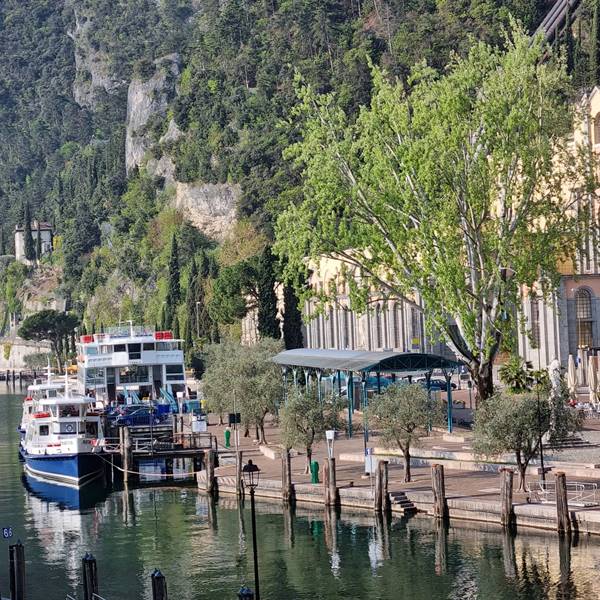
(356,360)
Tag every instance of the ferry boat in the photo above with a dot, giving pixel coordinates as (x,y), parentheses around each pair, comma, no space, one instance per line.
(129,364)
(63,439)
(35,392)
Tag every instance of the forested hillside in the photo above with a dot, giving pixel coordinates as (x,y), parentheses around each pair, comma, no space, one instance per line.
(140,128)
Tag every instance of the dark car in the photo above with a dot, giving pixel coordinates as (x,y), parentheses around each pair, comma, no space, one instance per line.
(439,384)
(144,415)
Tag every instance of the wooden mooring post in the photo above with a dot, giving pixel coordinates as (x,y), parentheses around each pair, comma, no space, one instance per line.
(506,495)
(287,487)
(563,522)
(159,586)
(126,452)
(381,500)
(440,506)
(16,554)
(90,577)
(211,487)
(330,483)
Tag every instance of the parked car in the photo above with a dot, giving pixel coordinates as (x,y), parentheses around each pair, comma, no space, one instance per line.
(145,415)
(435,383)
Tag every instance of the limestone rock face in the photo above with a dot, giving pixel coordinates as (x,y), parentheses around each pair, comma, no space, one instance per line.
(93,74)
(211,207)
(147,100)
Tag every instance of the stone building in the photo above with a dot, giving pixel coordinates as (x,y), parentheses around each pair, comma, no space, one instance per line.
(45,233)
(569,322)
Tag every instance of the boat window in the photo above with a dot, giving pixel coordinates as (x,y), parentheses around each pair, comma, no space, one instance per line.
(166,345)
(106,349)
(133,374)
(110,375)
(69,410)
(174,372)
(91,428)
(148,347)
(135,351)
(94,377)
(120,348)
(44,430)
(90,350)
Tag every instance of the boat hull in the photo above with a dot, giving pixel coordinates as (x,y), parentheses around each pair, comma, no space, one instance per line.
(75,470)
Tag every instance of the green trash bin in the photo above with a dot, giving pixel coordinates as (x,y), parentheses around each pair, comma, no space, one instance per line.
(227,438)
(314,472)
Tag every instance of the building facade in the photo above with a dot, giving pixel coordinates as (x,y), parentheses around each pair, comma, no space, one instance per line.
(44,230)
(569,321)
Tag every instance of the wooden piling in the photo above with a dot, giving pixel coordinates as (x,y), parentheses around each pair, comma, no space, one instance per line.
(440,507)
(239,479)
(210,473)
(90,577)
(506,496)
(287,488)
(381,500)
(159,586)
(126,453)
(563,522)
(330,483)
(16,553)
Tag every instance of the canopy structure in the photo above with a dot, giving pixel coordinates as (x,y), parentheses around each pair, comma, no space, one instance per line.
(366,362)
(407,364)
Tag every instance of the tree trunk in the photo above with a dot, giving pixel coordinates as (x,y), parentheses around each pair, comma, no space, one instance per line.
(308,459)
(256,433)
(407,465)
(263,437)
(220,418)
(522,472)
(483,380)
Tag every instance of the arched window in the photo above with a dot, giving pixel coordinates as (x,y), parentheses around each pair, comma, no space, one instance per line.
(583,314)
(331,328)
(345,328)
(597,129)
(378,324)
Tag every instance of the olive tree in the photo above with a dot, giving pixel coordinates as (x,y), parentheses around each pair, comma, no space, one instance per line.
(516,423)
(401,415)
(304,418)
(457,185)
(243,377)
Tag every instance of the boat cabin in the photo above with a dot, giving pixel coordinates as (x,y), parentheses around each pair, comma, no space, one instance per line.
(130,364)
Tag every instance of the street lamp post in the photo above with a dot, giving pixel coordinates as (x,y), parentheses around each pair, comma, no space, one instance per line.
(251,474)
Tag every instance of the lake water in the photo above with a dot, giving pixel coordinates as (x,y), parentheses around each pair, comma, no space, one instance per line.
(206,551)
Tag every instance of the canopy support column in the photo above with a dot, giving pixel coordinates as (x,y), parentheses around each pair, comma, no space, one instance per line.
(319,393)
(378,382)
(363,387)
(428,383)
(448,375)
(350,390)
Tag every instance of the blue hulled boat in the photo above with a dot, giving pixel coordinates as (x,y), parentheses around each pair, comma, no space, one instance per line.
(63,439)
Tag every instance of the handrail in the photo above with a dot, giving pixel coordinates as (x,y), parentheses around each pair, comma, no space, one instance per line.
(578,493)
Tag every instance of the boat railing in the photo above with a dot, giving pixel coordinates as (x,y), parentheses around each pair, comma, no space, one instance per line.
(578,493)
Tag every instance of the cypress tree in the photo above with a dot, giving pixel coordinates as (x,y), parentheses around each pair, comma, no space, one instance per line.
(174,290)
(190,300)
(595,45)
(268,323)
(292,320)
(175,327)
(569,42)
(28,237)
(38,244)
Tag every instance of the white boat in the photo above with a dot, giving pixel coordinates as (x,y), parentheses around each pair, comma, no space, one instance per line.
(130,364)
(63,438)
(35,392)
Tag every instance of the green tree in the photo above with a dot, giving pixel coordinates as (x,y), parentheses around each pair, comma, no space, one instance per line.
(402,414)
(516,423)
(268,323)
(38,244)
(292,320)
(29,244)
(305,418)
(191,326)
(244,376)
(454,189)
(52,326)
(595,45)
(174,285)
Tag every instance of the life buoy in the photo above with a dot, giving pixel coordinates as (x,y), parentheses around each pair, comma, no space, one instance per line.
(69,428)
